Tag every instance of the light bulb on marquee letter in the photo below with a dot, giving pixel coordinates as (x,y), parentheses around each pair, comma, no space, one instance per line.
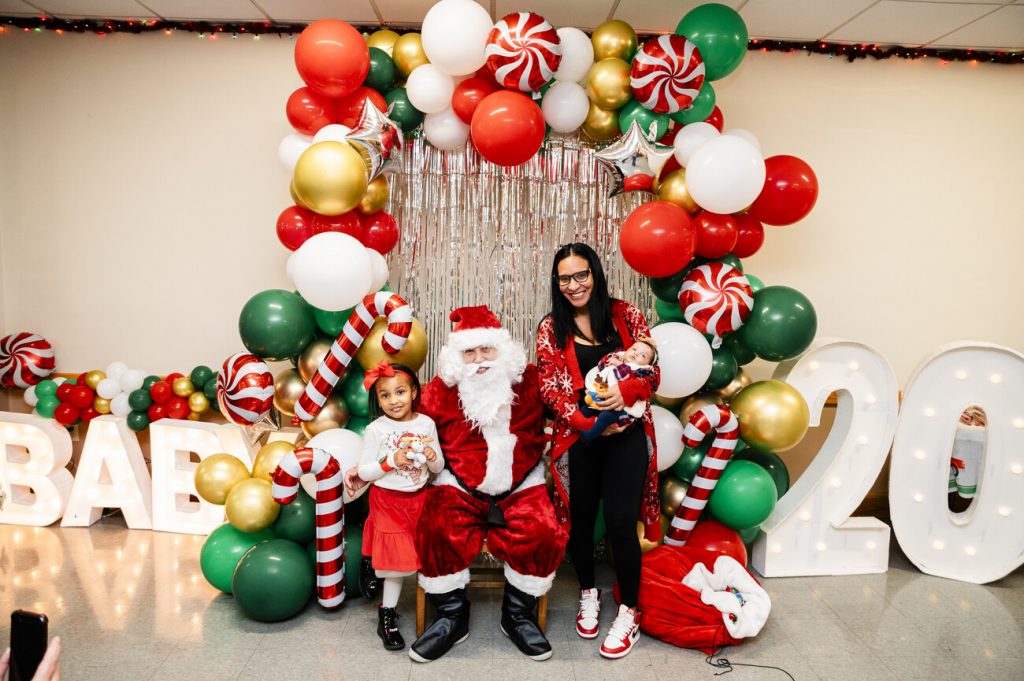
(40,470)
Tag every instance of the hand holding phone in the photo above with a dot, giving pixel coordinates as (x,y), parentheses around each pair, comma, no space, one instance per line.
(29,657)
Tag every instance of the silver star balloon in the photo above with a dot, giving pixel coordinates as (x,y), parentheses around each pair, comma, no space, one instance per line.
(378,140)
(632,162)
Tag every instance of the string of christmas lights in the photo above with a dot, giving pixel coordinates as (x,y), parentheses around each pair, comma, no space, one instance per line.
(850,52)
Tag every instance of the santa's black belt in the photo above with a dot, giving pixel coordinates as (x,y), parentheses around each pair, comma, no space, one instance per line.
(495,516)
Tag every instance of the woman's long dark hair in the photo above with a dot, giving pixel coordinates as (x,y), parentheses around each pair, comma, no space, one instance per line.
(600,304)
(375,411)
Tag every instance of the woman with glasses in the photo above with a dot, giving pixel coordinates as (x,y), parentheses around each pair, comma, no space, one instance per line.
(620,467)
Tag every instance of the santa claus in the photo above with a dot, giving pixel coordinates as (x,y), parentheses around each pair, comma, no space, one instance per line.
(486,404)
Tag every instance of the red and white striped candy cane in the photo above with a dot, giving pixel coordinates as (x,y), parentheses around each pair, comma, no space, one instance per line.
(380,304)
(727,430)
(330,515)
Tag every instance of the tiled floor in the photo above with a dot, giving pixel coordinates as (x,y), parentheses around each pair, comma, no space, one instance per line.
(133,605)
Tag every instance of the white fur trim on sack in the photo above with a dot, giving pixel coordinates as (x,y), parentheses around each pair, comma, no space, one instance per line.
(743,615)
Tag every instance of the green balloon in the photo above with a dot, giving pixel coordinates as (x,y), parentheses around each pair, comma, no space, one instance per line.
(357,424)
(755,283)
(353,555)
(668,312)
(652,125)
(749,534)
(148,382)
(744,496)
(730,260)
(734,344)
(667,288)
(771,462)
(273,580)
(720,35)
(781,325)
(700,108)
(688,463)
(223,549)
(200,375)
(297,521)
(276,324)
(46,388)
(402,111)
(723,369)
(46,405)
(356,397)
(137,421)
(332,323)
(382,71)
(139,400)
(210,389)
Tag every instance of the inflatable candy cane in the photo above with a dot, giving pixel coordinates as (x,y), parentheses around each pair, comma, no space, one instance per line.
(381,304)
(726,427)
(330,515)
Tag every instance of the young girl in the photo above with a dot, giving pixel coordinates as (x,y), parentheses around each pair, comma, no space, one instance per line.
(399,448)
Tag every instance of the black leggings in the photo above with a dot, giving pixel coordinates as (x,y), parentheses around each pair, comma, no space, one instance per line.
(613,468)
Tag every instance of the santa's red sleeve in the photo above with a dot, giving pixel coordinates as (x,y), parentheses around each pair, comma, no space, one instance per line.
(556,390)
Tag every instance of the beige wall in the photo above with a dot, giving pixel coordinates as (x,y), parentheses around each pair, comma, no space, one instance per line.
(140,186)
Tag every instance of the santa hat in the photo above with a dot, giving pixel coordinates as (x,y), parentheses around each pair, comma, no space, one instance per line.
(476,327)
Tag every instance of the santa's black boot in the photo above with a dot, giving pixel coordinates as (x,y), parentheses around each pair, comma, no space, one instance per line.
(387,628)
(519,623)
(369,582)
(451,626)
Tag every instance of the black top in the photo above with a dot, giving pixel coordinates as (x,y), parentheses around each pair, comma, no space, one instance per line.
(587,356)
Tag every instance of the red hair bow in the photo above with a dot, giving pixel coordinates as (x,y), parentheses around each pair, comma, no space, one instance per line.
(383,369)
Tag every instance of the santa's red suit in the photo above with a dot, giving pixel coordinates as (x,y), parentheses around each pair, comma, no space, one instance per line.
(493,485)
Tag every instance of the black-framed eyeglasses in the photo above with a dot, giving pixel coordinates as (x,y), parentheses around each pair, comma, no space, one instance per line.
(579,277)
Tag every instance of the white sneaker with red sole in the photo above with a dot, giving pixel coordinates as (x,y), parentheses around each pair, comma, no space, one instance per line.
(587,624)
(623,635)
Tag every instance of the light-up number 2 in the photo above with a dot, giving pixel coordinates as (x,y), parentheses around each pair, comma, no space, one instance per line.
(810,532)
(986,542)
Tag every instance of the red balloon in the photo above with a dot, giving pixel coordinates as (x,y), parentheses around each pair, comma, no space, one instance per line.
(177,407)
(66,414)
(81,396)
(156,412)
(346,223)
(160,392)
(80,379)
(350,108)
(713,536)
(671,165)
(716,234)
(332,57)
(172,377)
(507,128)
(308,111)
(657,239)
(64,391)
(89,414)
(380,232)
(750,235)
(789,193)
(294,226)
(468,95)
(716,118)
(669,138)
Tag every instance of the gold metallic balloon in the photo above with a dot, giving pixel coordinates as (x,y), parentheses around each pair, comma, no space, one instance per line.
(671,491)
(672,188)
(194,416)
(312,356)
(331,177)
(198,402)
(376,196)
(101,405)
(295,197)
(383,39)
(407,53)
(412,355)
(645,544)
(773,415)
(288,388)
(183,386)
(741,381)
(692,404)
(601,124)
(250,507)
(614,38)
(334,414)
(608,84)
(93,378)
(670,403)
(268,457)
(217,474)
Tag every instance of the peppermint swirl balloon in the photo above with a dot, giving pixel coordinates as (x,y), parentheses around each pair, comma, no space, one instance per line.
(717,299)
(667,74)
(245,389)
(25,359)
(523,51)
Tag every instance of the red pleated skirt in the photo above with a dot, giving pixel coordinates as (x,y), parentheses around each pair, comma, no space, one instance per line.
(389,534)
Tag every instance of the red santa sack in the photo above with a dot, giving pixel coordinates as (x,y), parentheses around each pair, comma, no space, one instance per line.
(674,612)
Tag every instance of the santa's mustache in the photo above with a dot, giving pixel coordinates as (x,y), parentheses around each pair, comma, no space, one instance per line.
(471,369)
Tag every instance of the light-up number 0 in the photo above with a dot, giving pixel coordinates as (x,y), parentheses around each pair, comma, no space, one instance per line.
(810,532)
(987,541)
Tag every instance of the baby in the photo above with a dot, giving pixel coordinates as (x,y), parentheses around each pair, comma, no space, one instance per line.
(635,361)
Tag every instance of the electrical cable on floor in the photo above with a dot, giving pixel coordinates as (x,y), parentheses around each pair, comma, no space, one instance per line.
(726,665)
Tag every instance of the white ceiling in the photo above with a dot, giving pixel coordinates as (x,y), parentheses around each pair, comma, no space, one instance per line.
(977,24)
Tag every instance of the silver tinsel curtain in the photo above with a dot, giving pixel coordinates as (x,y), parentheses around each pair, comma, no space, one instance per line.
(478,234)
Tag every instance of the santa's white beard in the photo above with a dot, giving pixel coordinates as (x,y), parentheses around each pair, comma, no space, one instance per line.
(482,396)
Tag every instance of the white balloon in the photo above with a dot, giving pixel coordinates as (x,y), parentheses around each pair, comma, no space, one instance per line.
(565,106)
(684,356)
(115,369)
(454,35)
(577,55)
(30,397)
(725,175)
(345,446)
(291,147)
(379,266)
(331,271)
(119,405)
(131,380)
(668,435)
(289,268)
(691,138)
(335,132)
(430,89)
(59,380)
(109,388)
(445,130)
(745,134)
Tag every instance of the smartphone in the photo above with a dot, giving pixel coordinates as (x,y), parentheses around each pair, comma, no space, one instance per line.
(28,643)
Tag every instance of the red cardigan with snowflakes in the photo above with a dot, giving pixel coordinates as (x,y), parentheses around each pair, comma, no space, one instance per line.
(561,388)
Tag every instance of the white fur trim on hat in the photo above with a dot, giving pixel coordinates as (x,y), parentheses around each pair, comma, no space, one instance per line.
(477,338)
